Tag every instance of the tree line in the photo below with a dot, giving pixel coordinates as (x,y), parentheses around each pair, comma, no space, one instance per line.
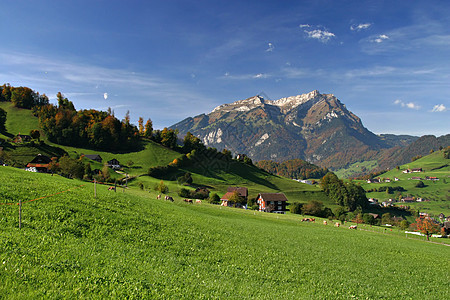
(294,168)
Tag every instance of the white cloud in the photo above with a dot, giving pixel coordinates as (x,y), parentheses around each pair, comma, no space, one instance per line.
(227,75)
(321,35)
(410,105)
(260,75)
(317,32)
(439,108)
(360,27)
(270,47)
(105,96)
(379,39)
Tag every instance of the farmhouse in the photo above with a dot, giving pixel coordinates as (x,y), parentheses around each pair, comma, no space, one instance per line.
(374,180)
(416,178)
(272,202)
(416,170)
(243,191)
(40,163)
(431,178)
(94,157)
(113,163)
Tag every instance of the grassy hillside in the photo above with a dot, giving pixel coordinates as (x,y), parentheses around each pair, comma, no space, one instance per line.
(438,192)
(213,173)
(18,120)
(127,244)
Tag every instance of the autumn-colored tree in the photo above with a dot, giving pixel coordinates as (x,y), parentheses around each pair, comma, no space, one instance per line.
(426,226)
(2,119)
(141,126)
(148,129)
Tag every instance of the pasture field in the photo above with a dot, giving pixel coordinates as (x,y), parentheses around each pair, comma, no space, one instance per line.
(438,192)
(130,245)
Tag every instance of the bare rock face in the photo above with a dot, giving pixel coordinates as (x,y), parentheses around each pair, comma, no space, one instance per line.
(315,127)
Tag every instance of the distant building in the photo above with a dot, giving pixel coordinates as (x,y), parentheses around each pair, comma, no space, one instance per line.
(40,163)
(94,157)
(114,163)
(272,202)
(243,191)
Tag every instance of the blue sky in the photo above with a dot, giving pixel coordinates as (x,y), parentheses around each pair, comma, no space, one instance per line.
(388,61)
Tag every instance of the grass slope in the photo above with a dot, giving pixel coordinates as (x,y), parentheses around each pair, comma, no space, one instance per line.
(438,192)
(127,245)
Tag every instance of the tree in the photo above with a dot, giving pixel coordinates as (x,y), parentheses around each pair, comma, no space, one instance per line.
(191,142)
(105,172)
(35,134)
(420,184)
(64,103)
(186,178)
(386,218)
(214,198)
(369,219)
(296,208)
(169,138)
(141,126)
(161,187)
(72,168)
(404,224)
(314,208)
(426,226)
(148,129)
(2,119)
(236,199)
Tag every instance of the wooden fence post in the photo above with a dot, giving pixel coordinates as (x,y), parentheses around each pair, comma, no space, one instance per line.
(95,188)
(20,213)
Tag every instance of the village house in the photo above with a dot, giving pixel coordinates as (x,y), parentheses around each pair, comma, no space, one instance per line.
(94,157)
(408,199)
(272,202)
(416,178)
(373,180)
(416,170)
(114,163)
(387,180)
(406,171)
(396,179)
(431,178)
(40,164)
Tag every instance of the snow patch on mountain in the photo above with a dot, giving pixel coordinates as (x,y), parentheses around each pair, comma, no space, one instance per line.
(262,139)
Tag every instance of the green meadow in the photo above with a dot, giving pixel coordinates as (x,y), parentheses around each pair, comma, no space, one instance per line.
(437,192)
(127,244)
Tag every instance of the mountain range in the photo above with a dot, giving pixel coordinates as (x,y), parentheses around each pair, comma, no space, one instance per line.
(314,127)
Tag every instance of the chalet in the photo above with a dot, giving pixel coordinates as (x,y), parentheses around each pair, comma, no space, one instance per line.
(272,202)
(373,201)
(408,199)
(94,157)
(243,191)
(202,190)
(113,163)
(446,227)
(40,163)
(396,179)
(431,178)
(406,171)
(387,180)
(441,216)
(416,170)
(416,178)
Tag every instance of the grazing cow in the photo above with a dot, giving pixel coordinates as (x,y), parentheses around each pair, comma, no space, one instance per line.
(188,200)
(169,198)
(337,224)
(198,201)
(308,220)
(158,197)
(325,222)
(352,227)
(111,188)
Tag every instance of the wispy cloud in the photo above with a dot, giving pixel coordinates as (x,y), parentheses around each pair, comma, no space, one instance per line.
(227,75)
(410,105)
(317,32)
(270,47)
(439,108)
(359,27)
